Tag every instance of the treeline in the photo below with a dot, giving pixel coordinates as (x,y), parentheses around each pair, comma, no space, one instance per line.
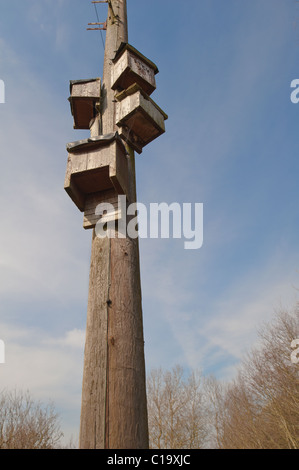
(26,423)
(259,409)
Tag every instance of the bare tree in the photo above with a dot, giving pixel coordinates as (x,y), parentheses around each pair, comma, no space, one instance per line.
(260,408)
(26,424)
(176,410)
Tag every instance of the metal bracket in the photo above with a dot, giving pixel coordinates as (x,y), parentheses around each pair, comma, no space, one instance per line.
(110,4)
(103,26)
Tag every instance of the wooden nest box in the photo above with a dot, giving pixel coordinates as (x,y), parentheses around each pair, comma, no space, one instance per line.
(97,170)
(139,118)
(130,67)
(85,94)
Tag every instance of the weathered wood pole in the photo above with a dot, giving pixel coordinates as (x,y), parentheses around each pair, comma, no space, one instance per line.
(114,408)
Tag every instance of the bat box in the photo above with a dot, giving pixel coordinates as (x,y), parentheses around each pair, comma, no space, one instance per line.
(130,67)
(139,118)
(94,166)
(111,210)
(84,96)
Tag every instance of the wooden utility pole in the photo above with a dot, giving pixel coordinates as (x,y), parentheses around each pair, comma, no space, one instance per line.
(114,408)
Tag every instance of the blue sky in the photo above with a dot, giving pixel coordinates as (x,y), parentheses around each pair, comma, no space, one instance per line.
(231,143)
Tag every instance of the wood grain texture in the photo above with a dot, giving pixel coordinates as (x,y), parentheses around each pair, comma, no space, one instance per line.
(114,410)
(126,413)
(92,424)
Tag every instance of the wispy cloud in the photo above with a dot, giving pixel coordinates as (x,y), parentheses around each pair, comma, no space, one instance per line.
(49,367)
(208,328)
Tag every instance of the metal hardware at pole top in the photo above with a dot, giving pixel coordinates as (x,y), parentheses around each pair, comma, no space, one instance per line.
(102,28)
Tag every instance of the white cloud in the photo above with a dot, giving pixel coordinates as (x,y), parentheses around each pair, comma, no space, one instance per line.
(48,19)
(74,339)
(43,249)
(49,367)
(211,330)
